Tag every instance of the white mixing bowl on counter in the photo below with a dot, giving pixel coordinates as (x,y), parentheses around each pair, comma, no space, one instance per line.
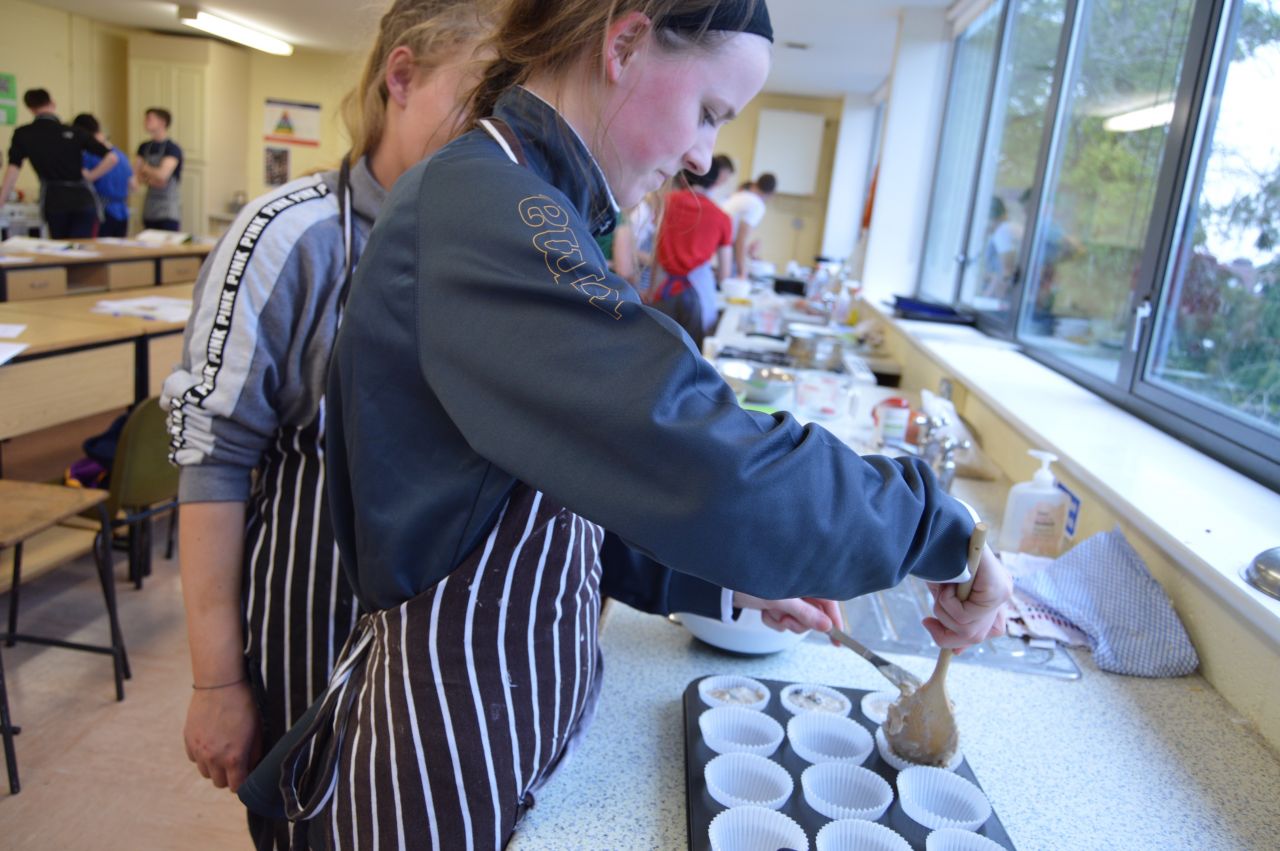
(747,635)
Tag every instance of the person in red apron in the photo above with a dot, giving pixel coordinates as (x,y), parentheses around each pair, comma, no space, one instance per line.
(268,608)
(512,435)
(695,232)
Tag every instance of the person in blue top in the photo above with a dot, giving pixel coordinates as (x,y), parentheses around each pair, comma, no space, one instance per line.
(113,187)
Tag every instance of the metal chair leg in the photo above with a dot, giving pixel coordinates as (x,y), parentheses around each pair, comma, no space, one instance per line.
(173,522)
(7,732)
(147,529)
(135,556)
(13,593)
(119,657)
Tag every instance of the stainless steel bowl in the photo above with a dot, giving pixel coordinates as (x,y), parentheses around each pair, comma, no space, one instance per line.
(762,383)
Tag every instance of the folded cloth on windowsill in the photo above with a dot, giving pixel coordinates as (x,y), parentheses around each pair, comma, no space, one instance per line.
(1101,593)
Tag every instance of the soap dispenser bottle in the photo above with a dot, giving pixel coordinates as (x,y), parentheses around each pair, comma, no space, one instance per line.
(1035,517)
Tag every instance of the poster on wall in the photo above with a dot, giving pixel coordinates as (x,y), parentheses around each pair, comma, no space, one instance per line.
(8,99)
(289,122)
(275,166)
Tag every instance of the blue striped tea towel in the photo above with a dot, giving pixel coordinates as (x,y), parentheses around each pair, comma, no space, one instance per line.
(1103,587)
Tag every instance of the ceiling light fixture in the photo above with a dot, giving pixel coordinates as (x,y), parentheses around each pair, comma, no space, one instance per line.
(1140,119)
(231,31)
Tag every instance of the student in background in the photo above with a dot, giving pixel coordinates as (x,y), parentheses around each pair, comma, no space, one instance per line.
(268,609)
(55,149)
(724,183)
(113,187)
(693,251)
(158,166)
(746,208)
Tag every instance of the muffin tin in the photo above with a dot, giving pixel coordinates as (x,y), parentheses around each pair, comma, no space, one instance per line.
(702,808)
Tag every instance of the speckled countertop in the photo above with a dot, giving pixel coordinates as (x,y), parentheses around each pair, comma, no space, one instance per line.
(1106,762)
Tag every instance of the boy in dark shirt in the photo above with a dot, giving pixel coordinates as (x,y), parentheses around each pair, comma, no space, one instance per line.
(67,201)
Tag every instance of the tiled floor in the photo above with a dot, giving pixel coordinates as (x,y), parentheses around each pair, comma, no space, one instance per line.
(97,774)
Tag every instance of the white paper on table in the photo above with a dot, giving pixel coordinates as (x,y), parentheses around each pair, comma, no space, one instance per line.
(152,237)
(13,259)
(11,330)
(115,240)
(33,243)
(9,351)
(161,308)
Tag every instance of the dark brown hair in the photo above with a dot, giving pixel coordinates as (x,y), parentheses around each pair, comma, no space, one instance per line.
(161,113)
(536,37)
(35,99)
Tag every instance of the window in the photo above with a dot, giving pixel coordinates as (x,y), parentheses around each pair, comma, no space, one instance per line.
(1218,338)
(975,57)
(1113,131)
(1126,209)
(1007,172)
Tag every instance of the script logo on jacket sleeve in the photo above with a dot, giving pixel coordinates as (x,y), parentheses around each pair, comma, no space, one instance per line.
(563,255)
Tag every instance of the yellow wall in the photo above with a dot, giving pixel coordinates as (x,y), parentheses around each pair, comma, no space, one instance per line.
(81,62)
(781,239)
(310,76)
(85,66)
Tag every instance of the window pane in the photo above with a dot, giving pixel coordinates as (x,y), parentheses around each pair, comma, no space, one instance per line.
(1219,340)
(961,135)
(1010,159)
(1095,218)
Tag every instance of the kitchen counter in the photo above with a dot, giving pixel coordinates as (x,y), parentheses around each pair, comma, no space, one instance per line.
(1102,762)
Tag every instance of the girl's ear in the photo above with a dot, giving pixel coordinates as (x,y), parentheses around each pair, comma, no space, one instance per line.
(401,70)
(623,41)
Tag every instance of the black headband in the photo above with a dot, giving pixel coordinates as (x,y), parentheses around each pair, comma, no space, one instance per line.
(748,16)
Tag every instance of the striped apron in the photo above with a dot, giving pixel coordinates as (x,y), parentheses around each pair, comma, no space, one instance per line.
(298,607)
(446,713)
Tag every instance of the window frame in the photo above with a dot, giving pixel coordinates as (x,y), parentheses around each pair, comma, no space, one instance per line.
(960,257)
(1205,67)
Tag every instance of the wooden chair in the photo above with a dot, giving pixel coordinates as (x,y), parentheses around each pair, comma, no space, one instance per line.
(26,509)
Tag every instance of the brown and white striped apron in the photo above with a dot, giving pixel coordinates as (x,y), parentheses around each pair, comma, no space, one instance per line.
(445,714)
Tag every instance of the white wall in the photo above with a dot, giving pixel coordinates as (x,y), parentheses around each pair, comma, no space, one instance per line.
(849,177)
(908,149)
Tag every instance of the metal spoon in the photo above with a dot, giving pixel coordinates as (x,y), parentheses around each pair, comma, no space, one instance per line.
(921,726)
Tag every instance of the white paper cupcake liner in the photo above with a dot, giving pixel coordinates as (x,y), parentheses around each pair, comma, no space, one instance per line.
(726,682)
(875,705)
(841,790)
(845,706)
(890,756)
(955,839)
(755,829)
(938,799)
(732,729)
(745,780)
(817,737)
(859,835)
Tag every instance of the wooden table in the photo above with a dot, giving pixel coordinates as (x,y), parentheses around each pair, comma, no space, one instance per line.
(26,509)
(82,363)
(43,275)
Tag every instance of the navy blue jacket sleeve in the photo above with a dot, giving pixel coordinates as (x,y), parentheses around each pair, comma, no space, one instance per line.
(552,370)
(642,583)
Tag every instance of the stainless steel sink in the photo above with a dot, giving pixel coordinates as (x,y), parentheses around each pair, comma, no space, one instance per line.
(889,622)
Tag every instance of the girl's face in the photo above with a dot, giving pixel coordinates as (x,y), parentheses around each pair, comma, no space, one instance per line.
(664,109)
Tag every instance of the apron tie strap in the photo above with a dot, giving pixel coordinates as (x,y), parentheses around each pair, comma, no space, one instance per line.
(310,771)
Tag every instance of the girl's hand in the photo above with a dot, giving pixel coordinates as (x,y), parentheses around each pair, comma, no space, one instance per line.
(958,625)
(798,614)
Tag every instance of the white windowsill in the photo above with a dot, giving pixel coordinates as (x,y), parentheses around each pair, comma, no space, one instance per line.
(1211,520)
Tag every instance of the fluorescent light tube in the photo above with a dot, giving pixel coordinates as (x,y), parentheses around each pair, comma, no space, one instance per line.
(232,31)
(1140,119)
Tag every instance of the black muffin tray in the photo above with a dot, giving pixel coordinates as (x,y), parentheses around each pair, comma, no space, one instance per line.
(702,808)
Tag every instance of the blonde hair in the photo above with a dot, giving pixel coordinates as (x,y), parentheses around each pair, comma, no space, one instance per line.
(432,29)
(537,37)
